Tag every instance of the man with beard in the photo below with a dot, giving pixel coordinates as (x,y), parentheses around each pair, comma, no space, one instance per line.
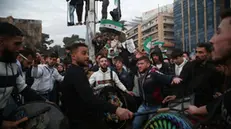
(200,78)
(150,87)
(26,58)
(11,39)
(45,77)
(102,77)
(78,99)
(221,42)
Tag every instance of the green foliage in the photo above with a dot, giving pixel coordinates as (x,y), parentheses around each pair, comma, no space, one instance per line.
(73,39)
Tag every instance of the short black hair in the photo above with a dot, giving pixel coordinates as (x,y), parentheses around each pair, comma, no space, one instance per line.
(68,47)
(7,29)
(76,46)
(118,58)
(176,53)
(187,53)
(145,58)
(103,57)
(226,13)
(207,46)
(27,51)
(53,55)
(99,54)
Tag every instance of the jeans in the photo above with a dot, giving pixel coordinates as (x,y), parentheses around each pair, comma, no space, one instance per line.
(71,13)
(139,121)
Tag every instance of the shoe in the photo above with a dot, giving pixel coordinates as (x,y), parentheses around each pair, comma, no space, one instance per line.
(70,24)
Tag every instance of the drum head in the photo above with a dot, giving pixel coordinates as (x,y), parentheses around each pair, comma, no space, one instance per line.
(116,97)
(52,119)
(168,121)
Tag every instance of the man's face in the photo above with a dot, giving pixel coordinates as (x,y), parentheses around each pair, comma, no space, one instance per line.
(185,56)
(52,61)
(119,65)
(81,56)
(103,63)
(221,41)
(155,58)
(60,68)
(202,54)
(179,60)
(27,62)
(142,66)
(10,46)
(97,58)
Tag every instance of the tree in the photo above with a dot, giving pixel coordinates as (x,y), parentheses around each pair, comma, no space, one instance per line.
(43,47)
(73,39)
(58,49)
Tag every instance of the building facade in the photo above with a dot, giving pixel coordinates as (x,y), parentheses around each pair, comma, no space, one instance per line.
(32,29)
(196,21)
(159,26)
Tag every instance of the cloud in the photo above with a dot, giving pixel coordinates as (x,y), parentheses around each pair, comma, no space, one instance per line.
(53,13)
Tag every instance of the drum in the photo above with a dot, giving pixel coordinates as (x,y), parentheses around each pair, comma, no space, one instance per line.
(116,97)
(39,117)
(168,121)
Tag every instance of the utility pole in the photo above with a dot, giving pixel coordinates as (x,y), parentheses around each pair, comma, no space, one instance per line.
(91,29)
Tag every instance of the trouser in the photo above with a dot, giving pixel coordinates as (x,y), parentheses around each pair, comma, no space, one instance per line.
(71,13)
(89,123)
(87,7)
(79,12)
(48,96)
(139,121)
(104,9)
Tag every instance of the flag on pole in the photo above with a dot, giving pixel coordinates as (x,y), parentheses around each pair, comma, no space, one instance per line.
(148,44)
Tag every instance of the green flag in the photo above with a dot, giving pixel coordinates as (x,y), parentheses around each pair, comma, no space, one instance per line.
(107,46)
(160,44)
(148,44)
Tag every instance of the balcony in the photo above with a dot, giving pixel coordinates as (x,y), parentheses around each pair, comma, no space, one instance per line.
(168,37)
(169,29)
(168,22)
(133,35)
(152,32)
(150,26)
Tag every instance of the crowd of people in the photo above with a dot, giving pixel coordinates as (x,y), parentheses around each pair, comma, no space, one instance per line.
(148,81)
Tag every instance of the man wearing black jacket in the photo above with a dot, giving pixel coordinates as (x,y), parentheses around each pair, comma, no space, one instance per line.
(221,42)
(11,39)
(78,99)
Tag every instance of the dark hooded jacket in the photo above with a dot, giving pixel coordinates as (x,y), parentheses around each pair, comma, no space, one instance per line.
(166,68)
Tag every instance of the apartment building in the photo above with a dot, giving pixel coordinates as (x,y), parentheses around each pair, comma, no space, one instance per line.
(159,26)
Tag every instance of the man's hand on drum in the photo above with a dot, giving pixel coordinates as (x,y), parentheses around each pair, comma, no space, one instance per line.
(169,98)
(176,80)
(197,110)
(9,125)
(217,94)
(130,93)
(124,114)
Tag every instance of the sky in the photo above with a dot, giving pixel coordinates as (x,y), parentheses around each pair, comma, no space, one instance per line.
(53,14)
